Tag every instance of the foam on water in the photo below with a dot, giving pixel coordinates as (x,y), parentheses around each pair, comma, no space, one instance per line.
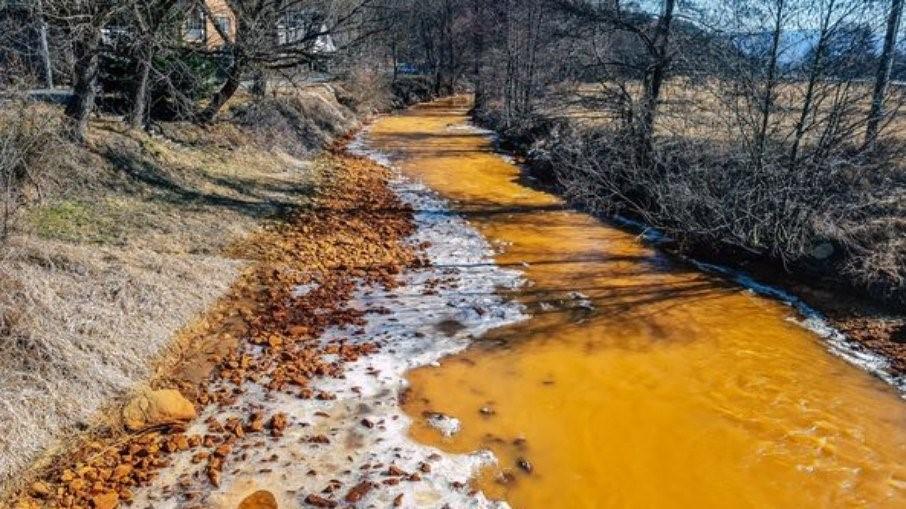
(808,317)
(434,312)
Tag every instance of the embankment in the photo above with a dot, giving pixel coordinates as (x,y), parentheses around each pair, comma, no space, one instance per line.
(123,242)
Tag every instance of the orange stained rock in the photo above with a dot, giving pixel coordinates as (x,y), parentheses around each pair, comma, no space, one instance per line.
(259,500)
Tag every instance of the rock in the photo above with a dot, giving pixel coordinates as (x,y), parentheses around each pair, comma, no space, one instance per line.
(822,251)
(446,425)
(40,489)
(525,465)
(122,471)
(153,408)
(358,492)
(107,500)
(259,500)
(315,500)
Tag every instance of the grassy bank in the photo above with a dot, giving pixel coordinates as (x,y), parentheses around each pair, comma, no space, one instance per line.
(115,246)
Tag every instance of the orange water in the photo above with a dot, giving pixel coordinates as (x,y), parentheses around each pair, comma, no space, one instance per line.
(675,390)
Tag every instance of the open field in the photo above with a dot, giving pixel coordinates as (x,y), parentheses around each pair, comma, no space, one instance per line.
(711,110)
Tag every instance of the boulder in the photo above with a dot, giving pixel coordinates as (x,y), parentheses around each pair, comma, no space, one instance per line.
(259,500)
(153,408)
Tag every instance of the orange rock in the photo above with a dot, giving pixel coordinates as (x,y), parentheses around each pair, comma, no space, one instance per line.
(40,489)
(259,500)
(122,471)
(153,408)
(107,500)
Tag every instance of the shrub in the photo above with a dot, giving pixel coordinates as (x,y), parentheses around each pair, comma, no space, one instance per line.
(28,137)
(298,123)
(178,81)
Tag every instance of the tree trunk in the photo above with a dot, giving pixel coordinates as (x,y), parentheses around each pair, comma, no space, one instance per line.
(45,54)
(814,74)
(259,83)
(882,80)
(767,101)
(229,88)
(654,80)
(140,95)
(478,59)
(85,50)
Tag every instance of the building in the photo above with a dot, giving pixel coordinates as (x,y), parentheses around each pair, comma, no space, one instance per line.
(200,28)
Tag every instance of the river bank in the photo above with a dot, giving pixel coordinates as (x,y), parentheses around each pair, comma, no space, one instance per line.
(128,239)
(297,371)
(871,323)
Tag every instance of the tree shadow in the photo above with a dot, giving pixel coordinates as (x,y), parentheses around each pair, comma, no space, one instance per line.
(256,198)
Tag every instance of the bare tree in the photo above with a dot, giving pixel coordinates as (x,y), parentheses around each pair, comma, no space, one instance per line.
(281,34)
(882,80)
(82,22)
(149,20)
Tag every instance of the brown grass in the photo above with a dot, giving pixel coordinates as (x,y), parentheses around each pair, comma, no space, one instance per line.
(122,251)
(354,234)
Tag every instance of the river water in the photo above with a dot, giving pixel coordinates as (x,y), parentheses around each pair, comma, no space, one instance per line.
(638,381)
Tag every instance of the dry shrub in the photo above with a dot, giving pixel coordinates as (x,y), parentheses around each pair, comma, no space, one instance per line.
(844,218)
(29,143)
(366,92)
(299,123)
(408,90)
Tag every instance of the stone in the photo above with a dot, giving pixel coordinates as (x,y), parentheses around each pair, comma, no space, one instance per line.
(259,500)
(153,408)
(822,251)
(40,489)
(358,492)
(107,500)
(122,471)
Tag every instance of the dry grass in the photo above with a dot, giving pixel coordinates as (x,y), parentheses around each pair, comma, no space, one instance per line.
(122,253)
(709,110)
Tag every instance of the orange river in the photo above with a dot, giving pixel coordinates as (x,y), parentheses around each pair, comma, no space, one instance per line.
(656,385)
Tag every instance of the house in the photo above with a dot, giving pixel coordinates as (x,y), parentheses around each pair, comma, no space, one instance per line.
(200,28)
(292,26)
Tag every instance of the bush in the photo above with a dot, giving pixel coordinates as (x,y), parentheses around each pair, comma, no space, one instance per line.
(300,123)
(817,218)
(408,90)
(29,137)
(844,219)
(178,81)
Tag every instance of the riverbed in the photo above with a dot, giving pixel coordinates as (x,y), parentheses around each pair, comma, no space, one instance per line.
(637,380)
